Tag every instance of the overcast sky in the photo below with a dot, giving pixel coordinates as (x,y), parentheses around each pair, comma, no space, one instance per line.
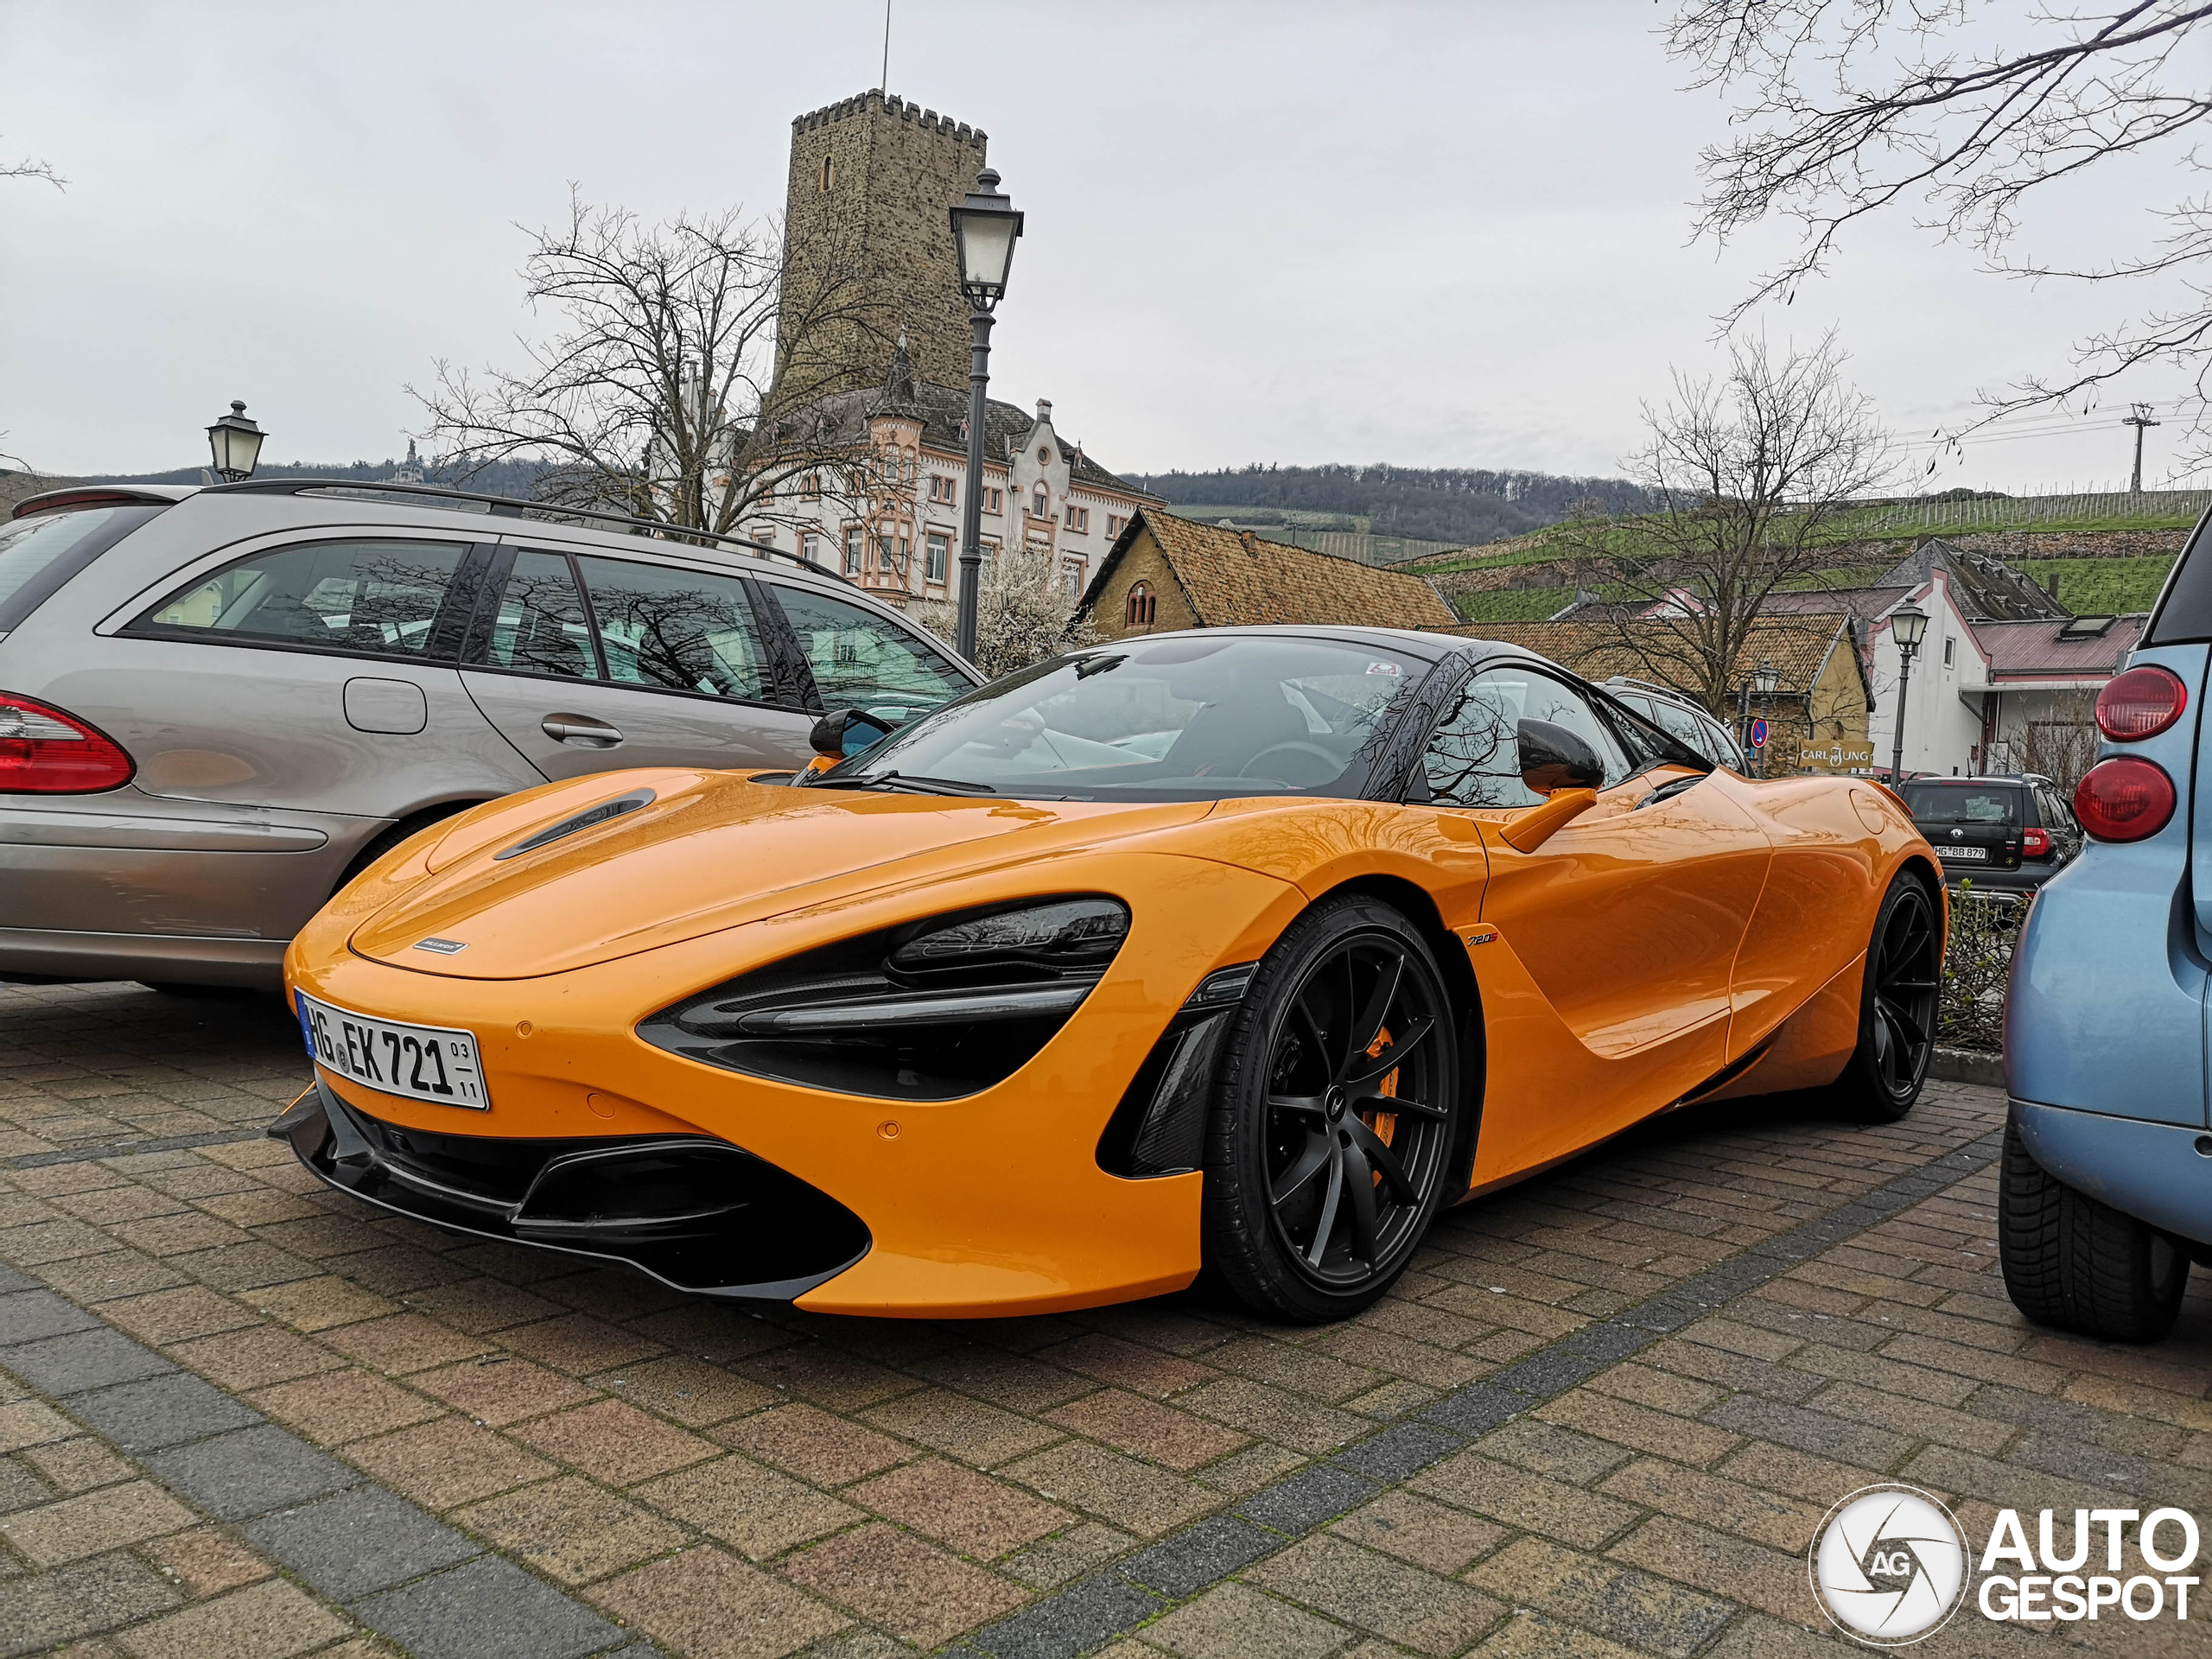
(1451,234)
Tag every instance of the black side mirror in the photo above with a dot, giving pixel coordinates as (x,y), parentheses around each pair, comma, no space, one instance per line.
(847,731)
(1553,758)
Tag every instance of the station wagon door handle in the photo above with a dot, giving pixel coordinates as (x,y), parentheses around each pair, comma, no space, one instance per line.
(581,730)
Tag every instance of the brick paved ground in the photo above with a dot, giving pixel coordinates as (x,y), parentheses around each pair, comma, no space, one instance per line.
(1602,1415)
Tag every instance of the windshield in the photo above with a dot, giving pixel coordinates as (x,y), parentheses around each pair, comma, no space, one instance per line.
(1952,804)
(1172,720)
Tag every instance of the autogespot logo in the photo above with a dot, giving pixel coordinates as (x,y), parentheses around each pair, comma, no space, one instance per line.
(1889,1564)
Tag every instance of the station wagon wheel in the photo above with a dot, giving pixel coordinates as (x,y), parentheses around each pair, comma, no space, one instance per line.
(1897,1006)
(1333,1128)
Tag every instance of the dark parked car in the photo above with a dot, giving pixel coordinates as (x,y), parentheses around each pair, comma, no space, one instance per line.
(2007,835)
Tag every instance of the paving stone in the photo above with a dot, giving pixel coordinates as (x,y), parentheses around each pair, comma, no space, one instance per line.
(358,1542)
(1072,1621)
(1234,1620)
(755,1509)
(1471,1481)
(1417,1530)
(693,1392)
(614,1442)
(30,1314)
(1120,1490)
(272,1620)
(340,1406)
(28,1423)
(1198,1555)
(1052,1561)
(249,1471)
(446,1463)
(708,1603)
(570,1529)
(499,1389)
(1397,1602)
(1134,1424)
(1613,1600)
(968,1429)
(161,1411)
(813,1444)
(94,1523)
(61,1366)
(976,1515)
(1307,1498)
(83,1598)
(486,1609)
(918,1594)
(206,1560)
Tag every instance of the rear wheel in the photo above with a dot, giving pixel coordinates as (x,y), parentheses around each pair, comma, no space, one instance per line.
(2073,1262)
(1897,1007)
(1330,1141)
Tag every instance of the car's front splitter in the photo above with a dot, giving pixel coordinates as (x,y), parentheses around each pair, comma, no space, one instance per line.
(695,1213)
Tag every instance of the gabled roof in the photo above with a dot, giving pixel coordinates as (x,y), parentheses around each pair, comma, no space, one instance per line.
(2074,649)
(1984,589)
(1233,578)
(1799,647)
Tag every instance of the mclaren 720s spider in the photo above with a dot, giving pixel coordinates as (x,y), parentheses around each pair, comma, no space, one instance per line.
(1236,953)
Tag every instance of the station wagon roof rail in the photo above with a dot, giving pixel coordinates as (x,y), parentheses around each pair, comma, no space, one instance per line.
(431,497)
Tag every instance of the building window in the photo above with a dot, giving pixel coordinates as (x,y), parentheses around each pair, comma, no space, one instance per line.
(809,486)
(940,551)
(1040,505)
(1078,517)
(829,172)
(1143,604)
(1071,578)
(944,490)
(852,550)
(906,554)
(806,548)
(994,501)
(1948,644)
(883,551)
(1114,522)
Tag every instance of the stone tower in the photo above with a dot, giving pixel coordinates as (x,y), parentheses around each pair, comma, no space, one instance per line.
(871,181)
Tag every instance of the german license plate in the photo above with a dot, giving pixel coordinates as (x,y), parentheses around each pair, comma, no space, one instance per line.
(428,1063)
(1981,853)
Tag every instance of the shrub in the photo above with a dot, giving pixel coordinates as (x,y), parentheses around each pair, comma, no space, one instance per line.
(1976,965)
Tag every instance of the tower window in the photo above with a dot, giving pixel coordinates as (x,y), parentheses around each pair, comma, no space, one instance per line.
(829,172)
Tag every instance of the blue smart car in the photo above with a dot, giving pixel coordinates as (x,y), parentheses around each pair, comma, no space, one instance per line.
(2107,1178)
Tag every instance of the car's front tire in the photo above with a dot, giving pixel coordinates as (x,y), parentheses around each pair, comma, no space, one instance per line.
(2075,1262)
(1897,1006)
(1330,1142)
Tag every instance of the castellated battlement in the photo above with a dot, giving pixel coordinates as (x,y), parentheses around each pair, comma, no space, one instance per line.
(894,107)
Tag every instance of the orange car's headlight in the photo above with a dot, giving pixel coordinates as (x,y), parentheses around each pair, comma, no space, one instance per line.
(929,1010)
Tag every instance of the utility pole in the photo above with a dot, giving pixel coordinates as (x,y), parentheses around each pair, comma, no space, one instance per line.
(2138,420)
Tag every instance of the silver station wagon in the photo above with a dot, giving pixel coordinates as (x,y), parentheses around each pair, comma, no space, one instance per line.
(218,705)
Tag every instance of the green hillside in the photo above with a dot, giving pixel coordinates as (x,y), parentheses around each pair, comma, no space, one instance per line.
(1513,604)
(2103,587)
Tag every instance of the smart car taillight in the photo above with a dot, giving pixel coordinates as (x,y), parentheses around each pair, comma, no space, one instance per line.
(2125,798)
(2034,843)
(2140,703)
(44,751)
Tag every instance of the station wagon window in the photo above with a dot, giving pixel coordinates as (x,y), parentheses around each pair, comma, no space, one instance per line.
(541,628)
(862,660)
(1474,757)
(1963,804)
(39,553)
(380,596)
(676,630)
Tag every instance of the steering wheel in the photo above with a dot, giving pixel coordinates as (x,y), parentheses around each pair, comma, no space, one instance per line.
(1332,766)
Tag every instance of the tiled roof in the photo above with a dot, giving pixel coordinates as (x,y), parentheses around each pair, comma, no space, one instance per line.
(2036,651)
(1796,645)
(1233,577)
(1985,589)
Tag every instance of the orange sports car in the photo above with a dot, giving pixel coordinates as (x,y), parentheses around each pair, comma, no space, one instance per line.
(1236,953)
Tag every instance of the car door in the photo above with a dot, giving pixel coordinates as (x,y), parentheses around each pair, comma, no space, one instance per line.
(588,663)
(1621,929)
(858,659)
(313,672)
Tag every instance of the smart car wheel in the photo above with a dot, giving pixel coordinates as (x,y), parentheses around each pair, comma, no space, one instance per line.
(1897,1007)
(1332,1131)
(2079,1264)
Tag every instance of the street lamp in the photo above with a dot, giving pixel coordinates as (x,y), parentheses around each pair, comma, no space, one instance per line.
(984,227)
(1908,627)
(235,441)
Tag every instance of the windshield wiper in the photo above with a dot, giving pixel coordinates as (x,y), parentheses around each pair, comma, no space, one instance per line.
(915,784)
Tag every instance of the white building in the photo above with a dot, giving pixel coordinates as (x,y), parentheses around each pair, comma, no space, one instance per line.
(1040,491)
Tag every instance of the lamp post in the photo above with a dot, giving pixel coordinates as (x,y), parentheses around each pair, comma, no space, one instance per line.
(984,227)
(1766,679)
(1908,627)
(235,442)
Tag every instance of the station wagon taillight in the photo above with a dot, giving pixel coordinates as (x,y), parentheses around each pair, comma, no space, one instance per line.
(2140,703)
(2034,843)
(2125,798)
(44,751)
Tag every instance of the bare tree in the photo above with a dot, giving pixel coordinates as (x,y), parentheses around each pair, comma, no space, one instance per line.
(656,393)
(2063,744)
(1025,610)
(1855,107)
(30,168)
(1746,474)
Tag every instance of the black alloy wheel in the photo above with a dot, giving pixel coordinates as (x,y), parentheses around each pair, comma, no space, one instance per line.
(1898,1003)
(1332,1130)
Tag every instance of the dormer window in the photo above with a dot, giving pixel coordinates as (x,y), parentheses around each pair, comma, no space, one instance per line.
(1142,605)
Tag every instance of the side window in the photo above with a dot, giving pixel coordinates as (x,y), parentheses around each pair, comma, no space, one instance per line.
(1474,756)
(376,596)
(862,660)
(540,627)
(676,630)
(1678,721)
